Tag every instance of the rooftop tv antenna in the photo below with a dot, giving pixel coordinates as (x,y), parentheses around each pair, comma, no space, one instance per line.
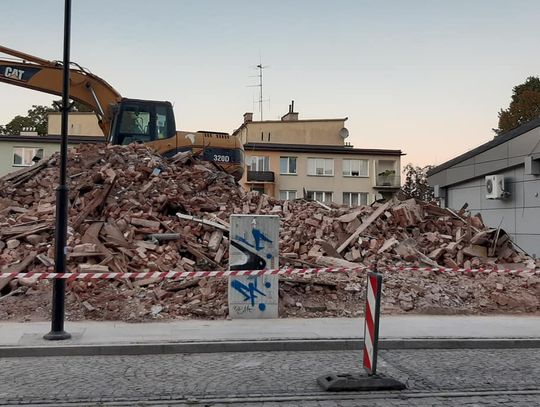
(261,68)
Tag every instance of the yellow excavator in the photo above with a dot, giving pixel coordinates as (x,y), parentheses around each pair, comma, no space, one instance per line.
(123,120)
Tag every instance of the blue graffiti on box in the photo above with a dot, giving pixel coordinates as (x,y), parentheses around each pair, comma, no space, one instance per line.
(254,245)
(250,291)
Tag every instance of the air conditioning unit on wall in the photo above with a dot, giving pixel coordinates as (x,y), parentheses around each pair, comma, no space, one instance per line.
(495,187)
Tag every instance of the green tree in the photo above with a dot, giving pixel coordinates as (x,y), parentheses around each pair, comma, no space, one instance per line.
(416,184)
(524,107)
(36,118)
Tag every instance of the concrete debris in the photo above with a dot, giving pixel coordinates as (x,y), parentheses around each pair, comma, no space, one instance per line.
(132,210)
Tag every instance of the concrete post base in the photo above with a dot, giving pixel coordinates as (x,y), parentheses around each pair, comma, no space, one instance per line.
(358,382)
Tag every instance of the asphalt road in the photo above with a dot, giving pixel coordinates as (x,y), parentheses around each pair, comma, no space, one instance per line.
(503,377)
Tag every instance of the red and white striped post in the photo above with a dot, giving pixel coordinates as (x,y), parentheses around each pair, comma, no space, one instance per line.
(371,324)
(372,381)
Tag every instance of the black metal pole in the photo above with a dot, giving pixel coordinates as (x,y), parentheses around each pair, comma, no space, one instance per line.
(62,194)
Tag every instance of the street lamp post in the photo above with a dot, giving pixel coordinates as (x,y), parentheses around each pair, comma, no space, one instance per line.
(62,195)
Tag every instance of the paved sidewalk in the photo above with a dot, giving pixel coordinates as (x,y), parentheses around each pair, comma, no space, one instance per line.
(329,330)
(391,327)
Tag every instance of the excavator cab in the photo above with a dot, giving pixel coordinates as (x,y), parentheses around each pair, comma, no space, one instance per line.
(142,121)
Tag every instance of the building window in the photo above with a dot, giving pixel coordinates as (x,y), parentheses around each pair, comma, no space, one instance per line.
(26,156)
(321,196)
(260,190)
(321,166)
(135,122)
(258,163)
(161,122)
(355,168)
(355,198)
(287,195)
(287,165)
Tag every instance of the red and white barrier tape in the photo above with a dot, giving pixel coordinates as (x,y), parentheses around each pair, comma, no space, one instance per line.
(182,274)
(228,273)
(458,270)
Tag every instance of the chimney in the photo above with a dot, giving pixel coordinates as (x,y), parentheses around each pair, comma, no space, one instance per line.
(248,117)
(291,115)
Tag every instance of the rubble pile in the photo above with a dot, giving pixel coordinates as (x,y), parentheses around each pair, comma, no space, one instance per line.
(132,210)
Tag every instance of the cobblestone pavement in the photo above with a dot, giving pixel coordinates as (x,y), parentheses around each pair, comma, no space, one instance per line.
(434,378)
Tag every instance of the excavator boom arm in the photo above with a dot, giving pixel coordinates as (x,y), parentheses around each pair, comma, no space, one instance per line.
(46,76)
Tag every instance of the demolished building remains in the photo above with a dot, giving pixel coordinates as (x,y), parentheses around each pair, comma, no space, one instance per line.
(132,210)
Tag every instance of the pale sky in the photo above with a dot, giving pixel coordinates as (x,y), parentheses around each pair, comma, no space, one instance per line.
(426,77)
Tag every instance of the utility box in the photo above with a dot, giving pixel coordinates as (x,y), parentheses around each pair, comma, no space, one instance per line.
(253,245)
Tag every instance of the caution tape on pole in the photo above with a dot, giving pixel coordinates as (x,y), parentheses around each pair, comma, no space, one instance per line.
(229,273)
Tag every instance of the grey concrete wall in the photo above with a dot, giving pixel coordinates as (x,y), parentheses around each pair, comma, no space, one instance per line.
(464,182)
(518,214)
(492,161)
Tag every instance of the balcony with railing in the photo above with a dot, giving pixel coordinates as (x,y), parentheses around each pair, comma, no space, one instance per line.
(260,176)
(387,181)
(387,175)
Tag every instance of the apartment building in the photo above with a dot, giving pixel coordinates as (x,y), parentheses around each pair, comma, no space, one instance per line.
(292,158)
(24,149)
(79,124)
